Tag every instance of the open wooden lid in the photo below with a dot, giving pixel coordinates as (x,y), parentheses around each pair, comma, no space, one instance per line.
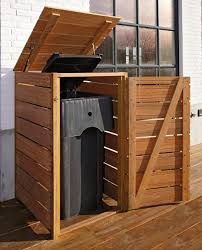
(65,32)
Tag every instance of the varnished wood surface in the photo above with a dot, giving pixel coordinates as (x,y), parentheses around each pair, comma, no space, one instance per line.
(20,230)
(65,31)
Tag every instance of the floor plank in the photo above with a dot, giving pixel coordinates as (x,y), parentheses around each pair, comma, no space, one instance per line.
(188,239)
(162,227)
(157,230)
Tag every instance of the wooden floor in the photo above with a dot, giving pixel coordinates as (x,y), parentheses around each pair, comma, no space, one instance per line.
(163,227)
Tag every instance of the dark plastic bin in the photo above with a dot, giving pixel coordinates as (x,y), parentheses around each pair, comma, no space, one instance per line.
(82,143)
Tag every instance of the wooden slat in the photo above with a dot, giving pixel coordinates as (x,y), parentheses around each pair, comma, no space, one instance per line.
(69,16)
(110,173)
(170,144)
(164,162)
(155,93)
(34,188)
(33,94)
(161,196)
(99,88)
(36,133)
(42,80)
(33,150)
(61,28)
(160,179)
(110,190)
(155,110)
(34,169)
(186,140)
(34,206)
(164,80)
(111,141)
(104,79)
(159,141)
(63,48)
(152,128)
(33,113)
(111,158)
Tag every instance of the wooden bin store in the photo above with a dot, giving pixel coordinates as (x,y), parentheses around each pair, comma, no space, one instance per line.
(146,159)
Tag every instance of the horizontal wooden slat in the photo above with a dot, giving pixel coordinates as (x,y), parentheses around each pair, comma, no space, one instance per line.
(171,144)
(110,173)
(43,80)
(99,89)
(155,110)
(104,79)
(34,94)
(76,39)
(162,196)
(35,170)
(60,27)
(64,49)
(110,189)
(111,158)
(90,19)
(160,179)
(33,113)
(34,206)
(164,162)
(111,141)
(33,150)
(152,128)
(34,188)
(164,80)
(155,93)
(39,134)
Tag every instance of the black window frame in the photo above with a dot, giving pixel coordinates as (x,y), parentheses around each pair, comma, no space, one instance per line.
(137,26)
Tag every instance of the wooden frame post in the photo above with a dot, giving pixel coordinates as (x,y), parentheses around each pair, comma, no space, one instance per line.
(186,140)
(132,143)
(56,156)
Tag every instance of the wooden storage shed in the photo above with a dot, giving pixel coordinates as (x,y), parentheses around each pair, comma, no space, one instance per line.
(146,158)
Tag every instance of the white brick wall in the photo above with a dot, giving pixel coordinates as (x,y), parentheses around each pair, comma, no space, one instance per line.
(18,18)
(192,50)
(192,60)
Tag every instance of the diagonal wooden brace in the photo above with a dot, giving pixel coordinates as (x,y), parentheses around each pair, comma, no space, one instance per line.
(160,138)
(50,25)
(100,35)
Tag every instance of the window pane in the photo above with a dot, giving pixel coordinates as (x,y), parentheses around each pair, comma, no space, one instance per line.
(126,45)
(168,72)
(147,50)
(147,9)
(126,10)
(166,13)
(148,72)
(106,49)
(167,47)
(102,7)
(131,71)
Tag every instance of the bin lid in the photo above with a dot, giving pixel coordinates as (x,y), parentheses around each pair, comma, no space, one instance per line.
(65,32)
